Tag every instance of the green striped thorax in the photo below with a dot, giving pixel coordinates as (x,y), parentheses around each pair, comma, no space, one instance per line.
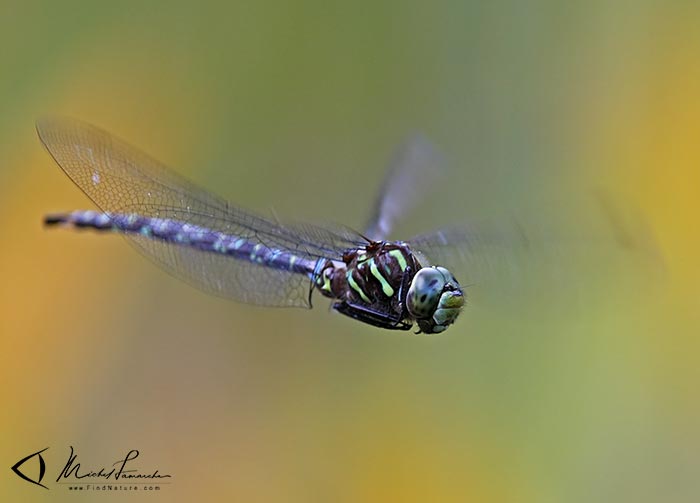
(434,299)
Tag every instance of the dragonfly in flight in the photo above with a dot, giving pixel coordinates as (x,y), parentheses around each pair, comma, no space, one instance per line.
(231,252)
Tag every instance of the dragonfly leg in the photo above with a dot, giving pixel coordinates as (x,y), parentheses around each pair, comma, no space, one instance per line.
(371,317)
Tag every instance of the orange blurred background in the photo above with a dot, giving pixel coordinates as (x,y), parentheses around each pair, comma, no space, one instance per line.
(579,387)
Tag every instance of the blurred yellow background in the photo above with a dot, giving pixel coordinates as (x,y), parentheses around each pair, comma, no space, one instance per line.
(556,394)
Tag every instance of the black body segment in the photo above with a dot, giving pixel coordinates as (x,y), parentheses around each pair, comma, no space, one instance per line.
(369,284)
(187,235)
(372,285)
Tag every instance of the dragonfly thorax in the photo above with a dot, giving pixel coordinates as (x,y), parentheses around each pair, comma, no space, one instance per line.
(384,284)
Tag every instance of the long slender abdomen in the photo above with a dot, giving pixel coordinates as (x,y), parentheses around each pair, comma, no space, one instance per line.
(185,234)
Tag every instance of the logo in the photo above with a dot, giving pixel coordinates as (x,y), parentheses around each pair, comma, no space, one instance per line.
(42,468)
(123,474)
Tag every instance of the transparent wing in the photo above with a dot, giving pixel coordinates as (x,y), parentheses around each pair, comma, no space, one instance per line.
(121,179)
(506,266)
(517,261)
(475,253)
(415,167)
(226,277)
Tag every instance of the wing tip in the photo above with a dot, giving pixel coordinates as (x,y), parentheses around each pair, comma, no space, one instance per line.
(46,125)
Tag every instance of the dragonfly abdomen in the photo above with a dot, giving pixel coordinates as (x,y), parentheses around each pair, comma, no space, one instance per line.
(185,234)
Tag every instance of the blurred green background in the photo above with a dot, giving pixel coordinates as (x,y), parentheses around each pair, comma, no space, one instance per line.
(581,386)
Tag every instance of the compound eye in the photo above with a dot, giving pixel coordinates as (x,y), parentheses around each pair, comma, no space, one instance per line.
(424,294)
(447,275)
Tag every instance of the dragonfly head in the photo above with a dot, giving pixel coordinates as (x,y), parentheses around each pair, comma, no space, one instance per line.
(434,299)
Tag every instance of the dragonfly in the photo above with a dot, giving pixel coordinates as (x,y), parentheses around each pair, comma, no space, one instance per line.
(228,251)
